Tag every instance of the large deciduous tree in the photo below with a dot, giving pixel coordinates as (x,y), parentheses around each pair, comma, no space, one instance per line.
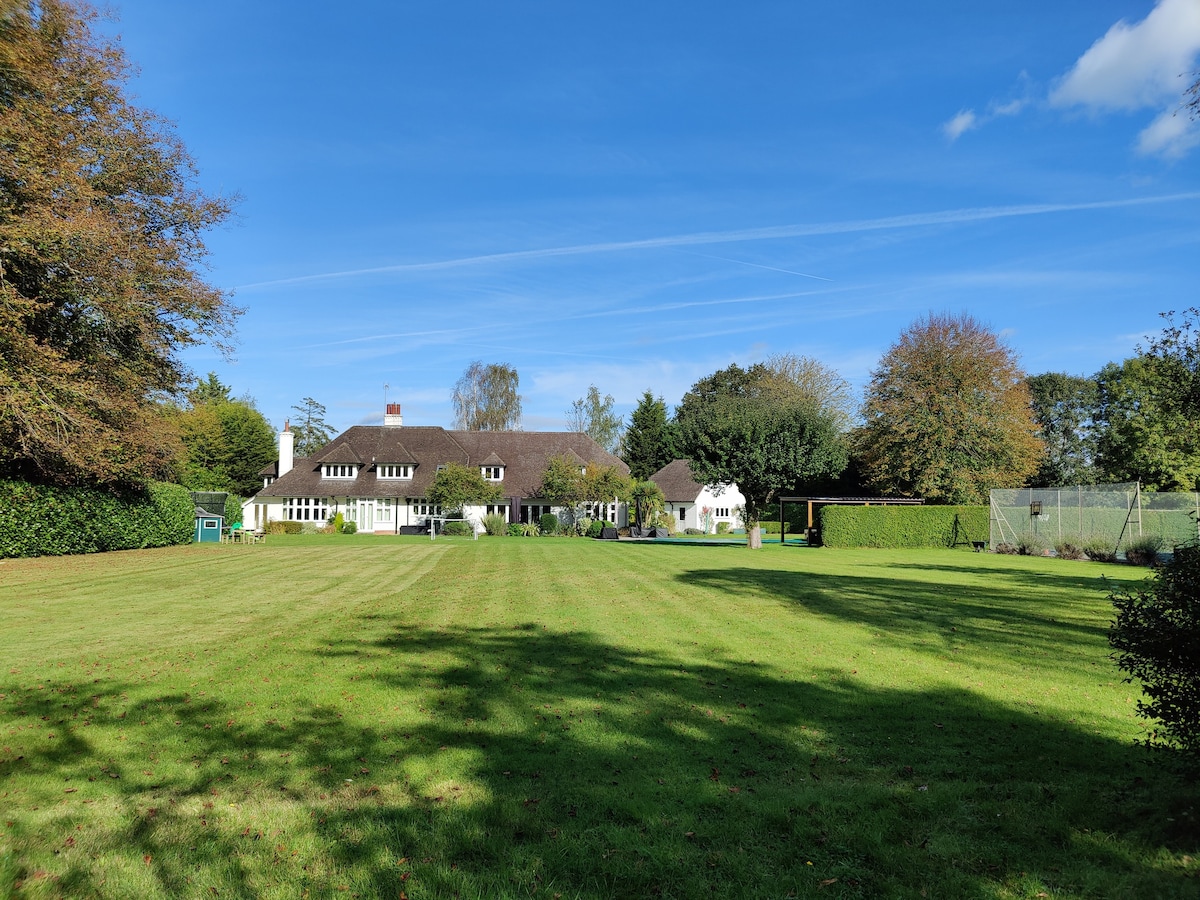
(651,439)
(948,415)
(1145,432)
(743,426)
(808,379)
(101,245)
(594,417)
(568,484)
(1064,407)
(226,441)
(487,398)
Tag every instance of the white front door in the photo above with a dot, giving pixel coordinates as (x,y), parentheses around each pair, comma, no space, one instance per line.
(366,513)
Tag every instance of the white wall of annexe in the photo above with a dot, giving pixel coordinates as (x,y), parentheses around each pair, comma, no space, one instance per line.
(388,515)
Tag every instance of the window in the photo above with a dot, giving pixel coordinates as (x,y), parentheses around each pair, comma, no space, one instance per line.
(492,473)
(339,471)
(305,509)
(498,509)
(422,507)
(394,471)
(267,480)
(722,512)
(383,510)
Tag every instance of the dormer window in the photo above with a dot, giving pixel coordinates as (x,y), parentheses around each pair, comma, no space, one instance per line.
(339,470)
(393,471)
(492,473)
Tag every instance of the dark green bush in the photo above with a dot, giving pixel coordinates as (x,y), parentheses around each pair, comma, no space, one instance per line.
(595,527)
(692,531)
(347,528)
(549,523)
(1156,639)
(514,529)
(1068,550)
(457,529)
(902,526)
(36,520)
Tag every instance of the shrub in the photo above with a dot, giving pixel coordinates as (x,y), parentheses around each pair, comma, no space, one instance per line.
(515,529)
(349,528)
(692,531)
(1156,639)
(548,523)
(584,525)
(1100,550)
(902,526)
(494,524)
(722,528)
(530,529)
(1006,548)
(458,529)
(667,521)
(283,527)
(1143,551)
(595,527)
(37,520)
(769,527)
(1030,544)
(1067,550)
(337,522)
(309,528)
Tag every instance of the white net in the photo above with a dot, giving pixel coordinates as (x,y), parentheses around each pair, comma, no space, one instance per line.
(1104,514)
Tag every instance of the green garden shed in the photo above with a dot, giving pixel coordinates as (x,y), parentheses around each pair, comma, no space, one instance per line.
(208,526)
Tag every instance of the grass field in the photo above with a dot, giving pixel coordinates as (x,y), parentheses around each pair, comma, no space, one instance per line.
(388,717)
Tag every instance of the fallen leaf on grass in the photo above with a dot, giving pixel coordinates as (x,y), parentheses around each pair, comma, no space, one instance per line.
(828,881)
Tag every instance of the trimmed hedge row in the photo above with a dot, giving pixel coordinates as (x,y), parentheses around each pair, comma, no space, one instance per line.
(36,520)
(902,526)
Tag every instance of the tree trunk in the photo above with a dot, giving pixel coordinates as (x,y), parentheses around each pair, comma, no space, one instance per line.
(754,537)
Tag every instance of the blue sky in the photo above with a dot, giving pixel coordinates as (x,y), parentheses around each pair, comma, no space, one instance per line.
(638,194)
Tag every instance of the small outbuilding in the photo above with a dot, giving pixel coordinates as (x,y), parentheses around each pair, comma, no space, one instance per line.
(208,526)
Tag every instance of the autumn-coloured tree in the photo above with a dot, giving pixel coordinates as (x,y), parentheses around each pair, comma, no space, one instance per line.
(947,415)
(486,398)
(101,229)
(808,379)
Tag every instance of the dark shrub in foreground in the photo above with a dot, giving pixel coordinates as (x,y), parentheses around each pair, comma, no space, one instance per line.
(1156,639)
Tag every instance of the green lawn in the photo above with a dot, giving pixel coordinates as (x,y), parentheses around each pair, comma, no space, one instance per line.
(336,716)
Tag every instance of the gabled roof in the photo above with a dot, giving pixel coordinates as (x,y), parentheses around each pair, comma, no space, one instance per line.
(338,452)
(523,454)
(676,481)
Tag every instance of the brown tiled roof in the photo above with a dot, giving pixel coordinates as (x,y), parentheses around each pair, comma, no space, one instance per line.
(337,452)
(524,455)
(676,481)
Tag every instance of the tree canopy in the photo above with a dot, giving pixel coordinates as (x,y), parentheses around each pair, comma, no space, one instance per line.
(1064,407)
(1144,433)
(651,439)
(742,426)
(226,441)
(311,430)
(455,486)
(568,484)
(486,398)
(948,415)
(101,246)
(594,417)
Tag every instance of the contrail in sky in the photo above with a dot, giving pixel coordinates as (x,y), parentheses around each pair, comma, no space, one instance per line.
(914,220)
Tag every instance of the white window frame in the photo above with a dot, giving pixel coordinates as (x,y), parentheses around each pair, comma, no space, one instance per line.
(492,473)
(394,472)
(339,470)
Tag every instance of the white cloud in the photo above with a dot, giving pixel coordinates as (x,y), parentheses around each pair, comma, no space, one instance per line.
(1144,65)
(1135,66)
(1170,135)
(961,123)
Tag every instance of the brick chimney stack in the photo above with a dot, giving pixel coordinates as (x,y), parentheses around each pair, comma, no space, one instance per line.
(392,417)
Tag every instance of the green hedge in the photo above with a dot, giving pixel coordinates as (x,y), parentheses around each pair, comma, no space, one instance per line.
(902,526)
(49,521)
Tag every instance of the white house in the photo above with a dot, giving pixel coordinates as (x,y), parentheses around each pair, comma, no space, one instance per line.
(377,475)
(695,505)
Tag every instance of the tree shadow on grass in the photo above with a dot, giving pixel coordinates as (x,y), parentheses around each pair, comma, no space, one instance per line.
(522,762)
(913,612)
